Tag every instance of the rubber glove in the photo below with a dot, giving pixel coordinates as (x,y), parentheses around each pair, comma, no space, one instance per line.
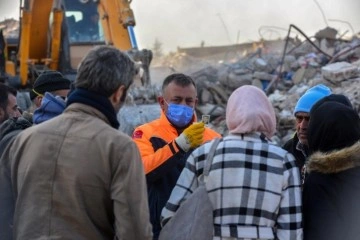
(191,137)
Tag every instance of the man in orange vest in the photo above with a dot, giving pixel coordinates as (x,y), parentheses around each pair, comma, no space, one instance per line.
(165,143)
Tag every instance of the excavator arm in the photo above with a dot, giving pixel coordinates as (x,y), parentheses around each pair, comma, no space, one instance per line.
(118,20)
(34,48)
(116,17)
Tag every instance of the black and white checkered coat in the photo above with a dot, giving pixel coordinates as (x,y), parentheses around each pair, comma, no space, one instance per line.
(251,183)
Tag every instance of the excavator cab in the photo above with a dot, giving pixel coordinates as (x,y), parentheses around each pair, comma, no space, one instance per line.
(84,25)
(81,30)
(55,35)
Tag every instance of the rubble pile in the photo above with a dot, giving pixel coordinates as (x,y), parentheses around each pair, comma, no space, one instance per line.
(284,69)
(10,28)
(334,62)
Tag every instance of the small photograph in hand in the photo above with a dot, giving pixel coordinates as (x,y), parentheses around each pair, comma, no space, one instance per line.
(205,119)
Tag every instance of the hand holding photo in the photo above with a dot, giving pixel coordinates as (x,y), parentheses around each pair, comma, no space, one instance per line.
(205,119)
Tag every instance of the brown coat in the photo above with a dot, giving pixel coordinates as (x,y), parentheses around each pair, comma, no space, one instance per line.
(75,177)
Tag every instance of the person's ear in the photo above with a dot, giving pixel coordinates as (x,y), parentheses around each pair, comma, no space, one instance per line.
(38,100)
(2,114)
(161,102)
(116,97)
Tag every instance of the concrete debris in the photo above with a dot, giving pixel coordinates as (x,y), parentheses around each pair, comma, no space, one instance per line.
(339,71)
(283,74)
(143,95)
(336,63)
(131,116)
(326,33)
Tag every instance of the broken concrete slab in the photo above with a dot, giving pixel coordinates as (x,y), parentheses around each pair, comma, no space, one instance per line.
(339,71)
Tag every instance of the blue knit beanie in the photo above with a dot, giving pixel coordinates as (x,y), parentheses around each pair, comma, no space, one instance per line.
(310,97)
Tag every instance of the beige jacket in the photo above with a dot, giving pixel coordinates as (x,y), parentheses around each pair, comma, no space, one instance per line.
(75,177)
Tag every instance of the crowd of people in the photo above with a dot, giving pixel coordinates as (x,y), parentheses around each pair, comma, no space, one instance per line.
(67,172)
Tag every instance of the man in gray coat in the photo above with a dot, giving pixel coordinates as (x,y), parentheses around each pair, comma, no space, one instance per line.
(76,176)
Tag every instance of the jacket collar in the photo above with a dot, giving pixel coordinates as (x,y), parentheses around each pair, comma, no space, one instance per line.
(335,161)
(83,108)
(96,101)
(13,124)
(302,148)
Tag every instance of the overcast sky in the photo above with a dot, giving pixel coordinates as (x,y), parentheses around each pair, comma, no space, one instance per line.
(186,23)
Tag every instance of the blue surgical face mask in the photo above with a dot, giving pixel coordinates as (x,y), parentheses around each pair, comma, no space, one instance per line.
(179,115)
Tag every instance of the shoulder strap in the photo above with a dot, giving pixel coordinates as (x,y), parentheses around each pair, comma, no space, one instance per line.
(209,158)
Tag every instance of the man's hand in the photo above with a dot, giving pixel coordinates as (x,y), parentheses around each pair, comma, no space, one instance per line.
(191,137)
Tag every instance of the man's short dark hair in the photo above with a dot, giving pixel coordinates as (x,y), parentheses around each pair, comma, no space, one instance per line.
(5,90)
(180,79)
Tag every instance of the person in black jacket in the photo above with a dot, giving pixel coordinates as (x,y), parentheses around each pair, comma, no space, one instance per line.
(8,131)
(298,145)
(331,190)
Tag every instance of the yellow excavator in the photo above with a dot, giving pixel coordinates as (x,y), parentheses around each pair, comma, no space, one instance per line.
(56,34)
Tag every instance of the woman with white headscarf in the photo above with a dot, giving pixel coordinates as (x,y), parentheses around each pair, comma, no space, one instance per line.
(253,185)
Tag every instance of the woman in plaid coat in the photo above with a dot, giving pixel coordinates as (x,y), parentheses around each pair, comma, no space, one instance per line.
(254,185)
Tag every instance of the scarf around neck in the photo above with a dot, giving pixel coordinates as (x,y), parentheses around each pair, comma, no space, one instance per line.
(96,101)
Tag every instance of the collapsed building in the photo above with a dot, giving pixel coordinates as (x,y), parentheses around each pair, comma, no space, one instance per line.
(284,69)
